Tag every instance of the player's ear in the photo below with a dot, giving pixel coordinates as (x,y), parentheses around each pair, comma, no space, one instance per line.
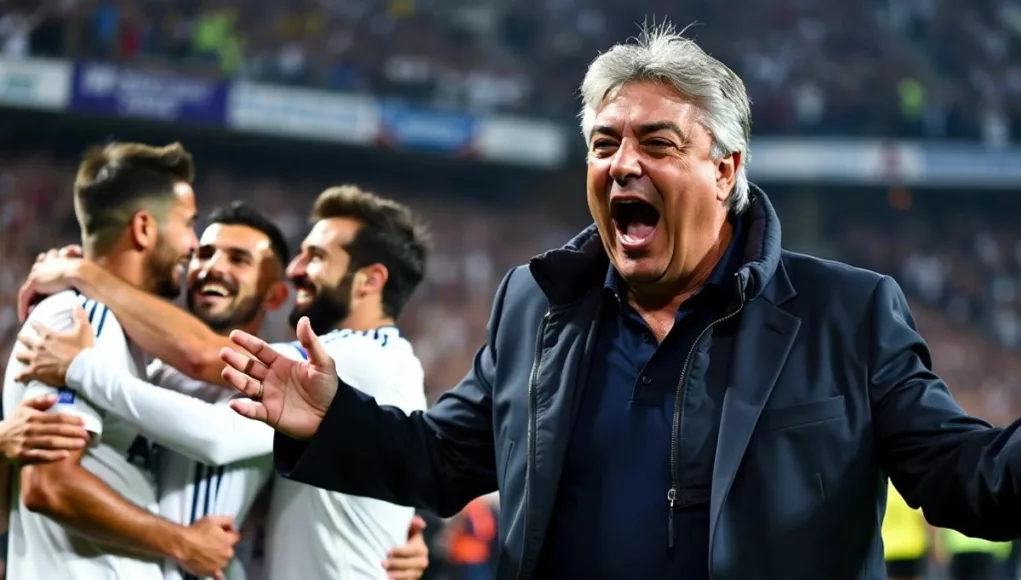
(275,296)
(144,229)
(371,280)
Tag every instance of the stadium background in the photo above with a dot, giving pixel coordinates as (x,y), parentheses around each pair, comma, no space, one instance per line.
(883,133)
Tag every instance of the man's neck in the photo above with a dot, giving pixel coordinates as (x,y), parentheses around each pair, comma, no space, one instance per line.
(125,266)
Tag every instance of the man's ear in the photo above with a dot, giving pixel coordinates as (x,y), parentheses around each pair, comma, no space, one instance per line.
(371,280)
(275,296)
(144,230)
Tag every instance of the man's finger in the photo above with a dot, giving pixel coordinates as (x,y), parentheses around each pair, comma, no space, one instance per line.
(416,527)
(26,296)
(51,419)
(71,251)
(414,574)
(45,402)
(41,456)
(404,553)
(39,328)
(245,384)
(255,346)
(244,364)
(317,354)
(23,356)
(43,430)
(251,409)
(80,317)
(27,340)
(225,523)
(69,443)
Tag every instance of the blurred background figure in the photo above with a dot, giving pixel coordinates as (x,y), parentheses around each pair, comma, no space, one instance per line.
(885,132)
(974,558)
(471,543)
(907,539)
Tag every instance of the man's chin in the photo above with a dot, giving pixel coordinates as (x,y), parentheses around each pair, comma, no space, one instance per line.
(638,270)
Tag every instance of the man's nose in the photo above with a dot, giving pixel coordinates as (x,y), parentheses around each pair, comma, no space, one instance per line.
(626,163)
(296,268)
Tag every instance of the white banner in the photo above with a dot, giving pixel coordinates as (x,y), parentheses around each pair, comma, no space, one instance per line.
(303,113)
(522,141)
(35,83)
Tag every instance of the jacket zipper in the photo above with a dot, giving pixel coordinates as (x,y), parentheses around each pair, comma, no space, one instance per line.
(679,399)
(529,467)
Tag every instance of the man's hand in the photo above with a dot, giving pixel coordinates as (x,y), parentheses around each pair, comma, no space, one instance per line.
(290,396)
(53,272)
(409,561)
(30,435)
(208,546)
(49,354)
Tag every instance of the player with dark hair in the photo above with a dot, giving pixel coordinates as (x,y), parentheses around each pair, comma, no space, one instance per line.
(92,515)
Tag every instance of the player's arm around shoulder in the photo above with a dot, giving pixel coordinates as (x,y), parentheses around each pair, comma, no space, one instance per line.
(72,496)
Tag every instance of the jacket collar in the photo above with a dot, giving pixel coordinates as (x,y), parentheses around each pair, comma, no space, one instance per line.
(565,274)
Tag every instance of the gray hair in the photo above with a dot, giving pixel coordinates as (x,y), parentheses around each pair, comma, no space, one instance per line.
(661,54)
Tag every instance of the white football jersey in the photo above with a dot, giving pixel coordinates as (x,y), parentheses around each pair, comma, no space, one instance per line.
(314,534)
(118,455)
(212,460)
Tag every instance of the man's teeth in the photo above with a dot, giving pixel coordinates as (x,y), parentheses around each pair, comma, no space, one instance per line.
(215,290)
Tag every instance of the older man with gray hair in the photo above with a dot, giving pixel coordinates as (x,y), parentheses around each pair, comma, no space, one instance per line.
(671,394)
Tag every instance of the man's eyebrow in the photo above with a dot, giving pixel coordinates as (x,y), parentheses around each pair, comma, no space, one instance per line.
(644,129)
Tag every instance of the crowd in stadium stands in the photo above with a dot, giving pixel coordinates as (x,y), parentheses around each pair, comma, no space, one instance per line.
(914,68)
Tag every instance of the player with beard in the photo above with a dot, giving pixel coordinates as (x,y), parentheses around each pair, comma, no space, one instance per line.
(233,281)
(93,515)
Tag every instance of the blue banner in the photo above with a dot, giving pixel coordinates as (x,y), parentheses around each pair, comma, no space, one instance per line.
(413,128)
(127,92)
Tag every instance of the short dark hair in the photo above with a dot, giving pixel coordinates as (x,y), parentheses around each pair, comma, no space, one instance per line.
(239,213)
(116,180)
(389,235)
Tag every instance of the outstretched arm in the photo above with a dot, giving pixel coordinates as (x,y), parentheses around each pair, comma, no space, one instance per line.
(206,432)
(192,347)
(963,473)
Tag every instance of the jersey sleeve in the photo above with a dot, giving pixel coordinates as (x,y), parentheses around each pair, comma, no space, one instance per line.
(206,432)
(56,314)
(166,376)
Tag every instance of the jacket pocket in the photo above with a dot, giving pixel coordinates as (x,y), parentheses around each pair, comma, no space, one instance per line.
(803,414)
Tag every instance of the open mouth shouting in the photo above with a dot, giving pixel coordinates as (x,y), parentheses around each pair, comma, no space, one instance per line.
(635,220)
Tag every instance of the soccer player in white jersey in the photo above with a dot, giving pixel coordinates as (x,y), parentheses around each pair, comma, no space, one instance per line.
(92,514)
(232,282)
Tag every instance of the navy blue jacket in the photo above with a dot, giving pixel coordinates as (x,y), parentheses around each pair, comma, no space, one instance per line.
(829,391)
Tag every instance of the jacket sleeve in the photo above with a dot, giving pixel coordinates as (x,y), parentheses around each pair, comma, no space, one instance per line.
(438,460)
(962,472)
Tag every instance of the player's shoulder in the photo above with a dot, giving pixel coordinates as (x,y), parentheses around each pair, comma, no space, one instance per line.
(382,337)
(56,306)
(55,311)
